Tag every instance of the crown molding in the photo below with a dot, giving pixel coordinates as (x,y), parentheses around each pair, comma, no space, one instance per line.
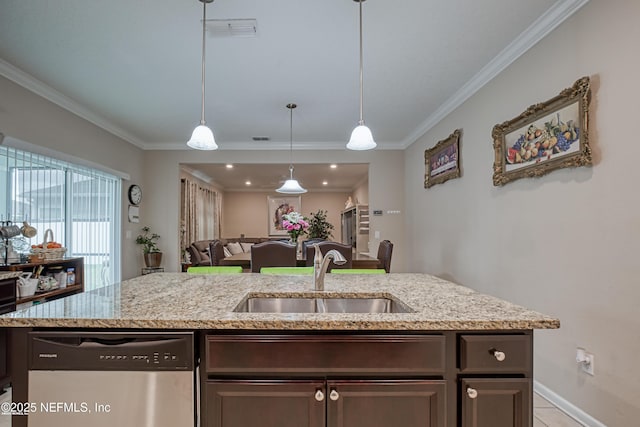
(268,145)
(38,87)
(554,16)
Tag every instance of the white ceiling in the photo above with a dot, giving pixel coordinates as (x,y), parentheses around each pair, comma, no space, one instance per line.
(267,177)
(133,67)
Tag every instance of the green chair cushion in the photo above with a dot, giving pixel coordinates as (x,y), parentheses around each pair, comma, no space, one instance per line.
(304,271)
(358,271)
(222,269)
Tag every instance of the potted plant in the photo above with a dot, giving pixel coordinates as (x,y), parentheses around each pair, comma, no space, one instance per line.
(319,227)
(152,254)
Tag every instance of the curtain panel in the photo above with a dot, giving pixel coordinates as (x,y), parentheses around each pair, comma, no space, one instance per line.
(199,213)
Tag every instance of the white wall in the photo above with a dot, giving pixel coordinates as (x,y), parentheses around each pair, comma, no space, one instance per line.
(161,207)
(565,244)
(34,120)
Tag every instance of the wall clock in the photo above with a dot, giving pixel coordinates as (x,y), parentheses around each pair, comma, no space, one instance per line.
(135,194)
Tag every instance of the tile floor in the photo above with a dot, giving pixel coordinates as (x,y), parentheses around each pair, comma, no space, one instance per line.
(544,414)
(547,415)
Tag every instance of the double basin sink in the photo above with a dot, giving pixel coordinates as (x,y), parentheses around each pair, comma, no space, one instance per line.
(321,304)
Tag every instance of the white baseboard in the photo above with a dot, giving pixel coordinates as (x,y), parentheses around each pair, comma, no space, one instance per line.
(567,407)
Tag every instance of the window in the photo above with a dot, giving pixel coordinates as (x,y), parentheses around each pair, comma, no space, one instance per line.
(79,204)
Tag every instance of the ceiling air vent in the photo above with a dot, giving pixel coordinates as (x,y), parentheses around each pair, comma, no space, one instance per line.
(232,27)
(260,138)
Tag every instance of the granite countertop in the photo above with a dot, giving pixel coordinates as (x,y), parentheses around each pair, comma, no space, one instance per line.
(190,301)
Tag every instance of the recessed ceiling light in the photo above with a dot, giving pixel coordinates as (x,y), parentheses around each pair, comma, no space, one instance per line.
(247,183)
(229,166)
(325,183)
(333,166)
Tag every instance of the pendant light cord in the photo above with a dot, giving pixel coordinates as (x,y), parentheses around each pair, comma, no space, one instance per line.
(361,73)
(291,107)
(204,23)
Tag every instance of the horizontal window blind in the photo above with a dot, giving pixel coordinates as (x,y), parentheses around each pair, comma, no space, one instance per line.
(78,204)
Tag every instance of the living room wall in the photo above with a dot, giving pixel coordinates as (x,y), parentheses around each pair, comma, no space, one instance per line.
(246,212)
(565,244)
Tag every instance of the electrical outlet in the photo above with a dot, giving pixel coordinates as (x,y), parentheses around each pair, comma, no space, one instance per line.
(585,360)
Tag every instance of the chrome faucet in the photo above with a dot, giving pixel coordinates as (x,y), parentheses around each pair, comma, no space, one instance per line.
(321,264)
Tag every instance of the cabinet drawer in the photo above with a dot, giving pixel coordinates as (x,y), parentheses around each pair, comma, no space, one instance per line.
(495,354)
(326,354)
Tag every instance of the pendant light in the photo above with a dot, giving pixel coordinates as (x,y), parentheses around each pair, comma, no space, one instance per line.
(361,137)
(291,185)
(202,137)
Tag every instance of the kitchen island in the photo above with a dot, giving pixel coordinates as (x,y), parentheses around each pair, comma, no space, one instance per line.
(459,356)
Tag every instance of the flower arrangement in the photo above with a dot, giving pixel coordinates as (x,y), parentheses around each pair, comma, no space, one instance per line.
(295,224)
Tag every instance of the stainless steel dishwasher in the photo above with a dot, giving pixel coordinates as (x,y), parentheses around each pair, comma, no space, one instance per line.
(127,379)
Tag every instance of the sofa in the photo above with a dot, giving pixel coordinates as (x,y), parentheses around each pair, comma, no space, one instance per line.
(210,252)
(235,245)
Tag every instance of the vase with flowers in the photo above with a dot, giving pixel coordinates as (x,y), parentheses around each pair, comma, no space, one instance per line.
(295,224)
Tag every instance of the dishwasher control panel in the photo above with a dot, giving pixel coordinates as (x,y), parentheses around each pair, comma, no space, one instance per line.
(121,351)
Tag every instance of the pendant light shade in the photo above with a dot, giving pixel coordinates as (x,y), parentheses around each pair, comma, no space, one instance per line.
(202,137)
(361,137)
(291,186)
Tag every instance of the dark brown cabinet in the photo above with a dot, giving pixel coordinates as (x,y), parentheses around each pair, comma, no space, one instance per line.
(495,385)
(496,402)
(430,379)
(77,264)
(290,403)
(386,403)
(372,380)
(7,295)
(4,352)
(264,403)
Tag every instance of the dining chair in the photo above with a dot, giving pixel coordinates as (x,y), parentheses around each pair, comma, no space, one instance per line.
(224,269)
(310,242)
(216,251)
(345,250)
(385,249)
(272,254)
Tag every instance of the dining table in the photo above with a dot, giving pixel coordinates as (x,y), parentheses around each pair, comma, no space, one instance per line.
(243,259)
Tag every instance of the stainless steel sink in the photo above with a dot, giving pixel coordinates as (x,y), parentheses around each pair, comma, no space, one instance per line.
(321,305)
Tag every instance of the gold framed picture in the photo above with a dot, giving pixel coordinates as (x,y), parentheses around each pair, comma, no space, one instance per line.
(277,207)
(442,161)
(545,137)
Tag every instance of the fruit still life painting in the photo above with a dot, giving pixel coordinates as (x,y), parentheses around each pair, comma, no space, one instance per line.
(546,136)
(544,141)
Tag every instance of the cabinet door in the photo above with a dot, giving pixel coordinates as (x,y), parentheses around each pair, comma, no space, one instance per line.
(386,403)
(499,402)
(4,351)
(265,404)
